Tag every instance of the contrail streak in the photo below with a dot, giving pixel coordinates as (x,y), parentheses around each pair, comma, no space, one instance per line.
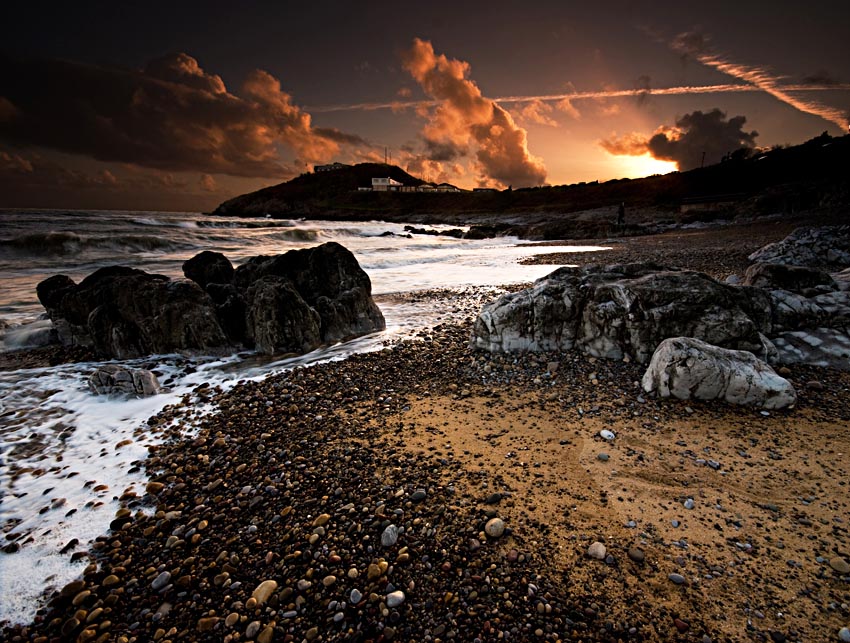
(616,93)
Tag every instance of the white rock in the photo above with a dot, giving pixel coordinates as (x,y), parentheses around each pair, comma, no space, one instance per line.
(844,634)
(607,435)
(355,597)
(394,599)
(597,550)
(687,368)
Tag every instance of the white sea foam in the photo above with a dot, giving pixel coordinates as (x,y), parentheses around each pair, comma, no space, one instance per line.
(55,436)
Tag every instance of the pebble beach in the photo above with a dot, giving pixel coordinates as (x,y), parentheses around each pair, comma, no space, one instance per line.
(430,492)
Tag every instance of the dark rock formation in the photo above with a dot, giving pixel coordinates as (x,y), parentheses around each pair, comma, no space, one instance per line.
(613,311)
(287,303)
(329,280)
(125,313)
(208,268)
(798,279)
(825,247)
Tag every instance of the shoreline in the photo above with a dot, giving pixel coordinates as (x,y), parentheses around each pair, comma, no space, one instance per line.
(295,478)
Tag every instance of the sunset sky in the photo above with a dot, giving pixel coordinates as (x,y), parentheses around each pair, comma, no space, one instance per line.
(177,106)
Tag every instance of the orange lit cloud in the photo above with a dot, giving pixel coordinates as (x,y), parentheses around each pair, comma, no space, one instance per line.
(696,45)
(694,135)
(537,112)
(462,119)
(171,116)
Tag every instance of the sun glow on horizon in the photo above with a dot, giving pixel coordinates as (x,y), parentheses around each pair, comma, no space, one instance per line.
(636,167)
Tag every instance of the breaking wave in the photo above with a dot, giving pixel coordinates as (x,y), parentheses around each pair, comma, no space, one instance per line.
(41,244)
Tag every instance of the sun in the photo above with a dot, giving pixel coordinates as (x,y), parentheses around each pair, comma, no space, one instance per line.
(635,167)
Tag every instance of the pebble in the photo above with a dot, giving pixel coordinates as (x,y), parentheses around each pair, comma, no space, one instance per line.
(597,550)
(355,596)
(419,495)
(493,499)
(689,503)
(637,554)
(605,434)
(495,527)
(844,634)
(161,581)
(263,591)
(602,457)
(840,565)
(394,599)
(390,536)
(678,579)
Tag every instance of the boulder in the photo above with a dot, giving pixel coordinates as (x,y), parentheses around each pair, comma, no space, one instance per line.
(618,310)
(125,313)
(329,280)
(687,368)
(293,302)
(208,268)
(112,379)
(279,320)
(822,247)
(797,279)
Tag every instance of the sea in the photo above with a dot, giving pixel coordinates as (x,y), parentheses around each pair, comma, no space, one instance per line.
(66,455)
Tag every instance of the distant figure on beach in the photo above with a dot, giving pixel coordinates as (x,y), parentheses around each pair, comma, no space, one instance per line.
(621,214)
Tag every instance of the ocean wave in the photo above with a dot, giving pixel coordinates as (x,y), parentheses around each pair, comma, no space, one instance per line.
(41,244)
(249,225)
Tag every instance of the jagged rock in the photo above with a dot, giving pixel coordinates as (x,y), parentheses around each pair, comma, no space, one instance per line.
(797,279)
(329,280)
(612,311)
(279,320)
(112,379)
(828,347)
(125,313)
(824,247)
(293,302)
(208,268)
(688,368)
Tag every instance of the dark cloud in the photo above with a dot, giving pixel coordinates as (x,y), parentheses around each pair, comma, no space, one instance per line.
(694,134)
(820,78)
(691,43)
(464,118)
(171,116)
(443,150)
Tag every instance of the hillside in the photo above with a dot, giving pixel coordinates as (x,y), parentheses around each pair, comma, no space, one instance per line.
(807,177)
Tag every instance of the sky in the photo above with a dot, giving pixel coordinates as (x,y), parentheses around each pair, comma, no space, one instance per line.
(180,106)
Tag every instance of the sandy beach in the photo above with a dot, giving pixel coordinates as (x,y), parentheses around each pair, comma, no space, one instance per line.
(429,492)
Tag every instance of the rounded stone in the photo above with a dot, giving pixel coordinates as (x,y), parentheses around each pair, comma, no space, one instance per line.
(418,495)
(840,565)
(355,596)
(844,634)
(689,503)
(678,579)
(605,434)
(597,550)
(637,554)
(394,599)
(390,536)
(161,581)
(495,527)
(602,457)
(263,591)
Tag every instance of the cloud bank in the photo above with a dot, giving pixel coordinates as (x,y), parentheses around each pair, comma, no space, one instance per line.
(692,136)
(461,121)
(171,115)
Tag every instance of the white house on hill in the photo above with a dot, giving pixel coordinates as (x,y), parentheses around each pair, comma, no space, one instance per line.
(387,184)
